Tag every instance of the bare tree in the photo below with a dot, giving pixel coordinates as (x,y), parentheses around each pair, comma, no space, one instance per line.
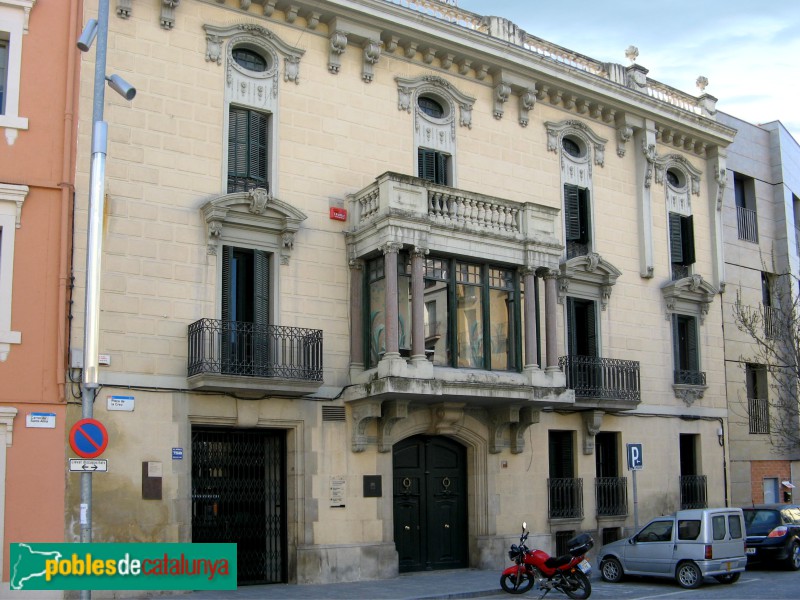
(773,330)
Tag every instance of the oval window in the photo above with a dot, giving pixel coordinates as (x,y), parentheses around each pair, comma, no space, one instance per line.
(249,59)
(430,107)
(674,178)
(572,147)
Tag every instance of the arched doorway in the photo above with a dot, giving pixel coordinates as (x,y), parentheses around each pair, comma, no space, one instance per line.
(430,503)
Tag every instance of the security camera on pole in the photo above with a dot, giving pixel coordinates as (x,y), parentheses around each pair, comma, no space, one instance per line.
(89,382)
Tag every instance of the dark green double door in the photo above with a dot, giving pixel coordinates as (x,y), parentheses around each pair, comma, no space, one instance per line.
(430,504)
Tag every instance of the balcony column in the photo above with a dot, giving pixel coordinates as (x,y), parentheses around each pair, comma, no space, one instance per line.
(356,315)
(390,252)
(550,324)
(418,304)
(529,306)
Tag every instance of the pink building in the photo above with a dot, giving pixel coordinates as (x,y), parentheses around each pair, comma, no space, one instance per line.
(38,94)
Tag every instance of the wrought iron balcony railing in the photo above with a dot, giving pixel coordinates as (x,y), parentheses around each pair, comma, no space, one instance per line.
(693,491)
(758,415)
(611,496)
(690,377)
(565,497)
(254,350)
(772,322)
(602,378)
(747,224)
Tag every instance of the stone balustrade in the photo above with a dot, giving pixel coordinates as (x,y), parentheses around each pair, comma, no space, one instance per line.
(450,208)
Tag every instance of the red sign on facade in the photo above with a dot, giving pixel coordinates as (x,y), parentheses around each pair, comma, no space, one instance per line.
(338,214)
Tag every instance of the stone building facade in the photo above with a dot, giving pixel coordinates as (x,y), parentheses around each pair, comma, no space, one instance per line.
(761,212)
(381,281)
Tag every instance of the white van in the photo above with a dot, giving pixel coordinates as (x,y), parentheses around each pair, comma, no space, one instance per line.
(687,545)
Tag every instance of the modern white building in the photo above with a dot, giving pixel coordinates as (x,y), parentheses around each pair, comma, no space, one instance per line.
(761,219)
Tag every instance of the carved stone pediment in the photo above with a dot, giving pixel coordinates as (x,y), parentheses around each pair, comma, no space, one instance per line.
(408,90)
(253,211)
(691,295)
(557,131)
(590,275)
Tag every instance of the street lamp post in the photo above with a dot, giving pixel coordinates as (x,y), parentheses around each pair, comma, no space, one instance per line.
(89,381)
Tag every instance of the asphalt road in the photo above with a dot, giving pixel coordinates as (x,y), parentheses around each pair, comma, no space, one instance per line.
(754,584)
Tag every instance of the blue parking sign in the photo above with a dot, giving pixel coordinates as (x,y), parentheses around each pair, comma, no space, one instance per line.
(634,457)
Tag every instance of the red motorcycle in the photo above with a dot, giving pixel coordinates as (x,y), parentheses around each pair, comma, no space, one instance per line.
(566,573)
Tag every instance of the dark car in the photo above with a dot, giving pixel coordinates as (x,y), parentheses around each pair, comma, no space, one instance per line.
(773,535)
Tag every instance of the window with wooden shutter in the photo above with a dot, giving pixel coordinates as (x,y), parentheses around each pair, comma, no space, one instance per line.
(686,350)
(576,220)
(248,136)
(581,327)
(432,165)
(681,239)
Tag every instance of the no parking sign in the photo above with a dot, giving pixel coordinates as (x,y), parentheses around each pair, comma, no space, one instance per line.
(88,438)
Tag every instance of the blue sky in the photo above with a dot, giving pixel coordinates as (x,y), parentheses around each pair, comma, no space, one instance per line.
(748,49)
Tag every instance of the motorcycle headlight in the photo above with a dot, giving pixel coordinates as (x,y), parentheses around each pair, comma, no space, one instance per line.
(513,553)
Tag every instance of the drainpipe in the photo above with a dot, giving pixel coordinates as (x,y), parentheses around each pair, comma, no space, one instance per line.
(67,185)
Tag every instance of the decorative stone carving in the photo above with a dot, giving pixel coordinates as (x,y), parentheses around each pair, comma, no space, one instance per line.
(372,53)
(702,82)
(168,13)
(691,295)
(689,393)
(363,412)
(664,163)
(624,133)
(393,412)
(557,131)
(312,19)
(527,100)
(464,65)
(259,86)
(276,221)
(649,151)
(499,419)
(593,420)
(410,49)
(446,59)
(124,9)
(259,198)
(338,44)
(501,93)
(408,90)
(481,71)
(447,418)
(291,13)
(428,54)
(269,7)
(527,417)
(594,275)
(632,53)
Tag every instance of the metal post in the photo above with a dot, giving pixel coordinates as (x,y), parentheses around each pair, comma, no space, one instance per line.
(93,255)
(635,503)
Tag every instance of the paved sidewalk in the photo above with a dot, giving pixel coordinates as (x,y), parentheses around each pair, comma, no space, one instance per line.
(428,585)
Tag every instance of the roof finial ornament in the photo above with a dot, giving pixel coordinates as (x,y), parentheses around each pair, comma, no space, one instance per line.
(631,53)
(702,82)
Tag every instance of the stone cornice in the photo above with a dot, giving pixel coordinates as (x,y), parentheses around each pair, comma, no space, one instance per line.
(473,49)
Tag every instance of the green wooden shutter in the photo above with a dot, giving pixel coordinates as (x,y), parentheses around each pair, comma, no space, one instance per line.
(441,168)
(591,328)
(426,167)
(237,146)
(261,287)
(561,454)
(262,339)
(692,357)
(687,236)
(257,171)
(572,213)
(675,238)
(676,343)
(227,335)
(227,261)
(571,339)
(583,204)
